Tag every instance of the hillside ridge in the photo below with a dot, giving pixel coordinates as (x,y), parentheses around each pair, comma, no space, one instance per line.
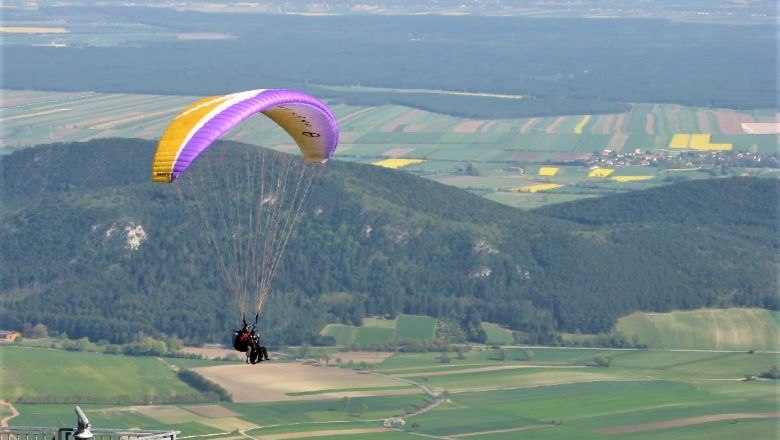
(433,250)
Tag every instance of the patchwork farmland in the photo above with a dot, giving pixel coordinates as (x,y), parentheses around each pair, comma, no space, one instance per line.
(523,162)
(480,392)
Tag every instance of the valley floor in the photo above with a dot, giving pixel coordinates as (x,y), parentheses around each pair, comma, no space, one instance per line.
(541,392)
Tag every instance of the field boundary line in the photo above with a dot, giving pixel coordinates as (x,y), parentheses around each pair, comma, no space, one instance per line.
(681,350)
(485,369)
(687,421)
(420,434)
(322,433)
(487,389)
(500,431)
(32,115)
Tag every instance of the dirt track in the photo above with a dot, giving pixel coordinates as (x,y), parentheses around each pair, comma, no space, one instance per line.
(370,357)
(500,431)
(483,369)
(14,412)
(686,422)
(309,434)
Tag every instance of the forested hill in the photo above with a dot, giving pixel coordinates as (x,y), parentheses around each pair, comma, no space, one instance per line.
(724,202)
(371,241)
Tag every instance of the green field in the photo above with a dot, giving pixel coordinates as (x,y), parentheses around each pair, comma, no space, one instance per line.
(374,335)
(730,329)
(506,153)
(343,335)
(530,392)
(415,327)
(320,411)
(640,387)
(377,331)
(716,329)
(497,334)
(580,410)
(54,375)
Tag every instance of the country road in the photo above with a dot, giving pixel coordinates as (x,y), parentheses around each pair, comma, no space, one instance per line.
(4,421)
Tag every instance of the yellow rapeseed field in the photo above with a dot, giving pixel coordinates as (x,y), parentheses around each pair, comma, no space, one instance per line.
(582,124)
(630,178)
(600,172)
(548,171)
(396,163)
(699,141)
(680,140)
(696,141)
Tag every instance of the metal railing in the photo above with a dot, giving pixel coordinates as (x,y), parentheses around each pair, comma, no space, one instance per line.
(46,433)
(83,431)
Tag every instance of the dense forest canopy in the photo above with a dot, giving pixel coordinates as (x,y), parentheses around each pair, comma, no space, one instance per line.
(560,65)
(372,241)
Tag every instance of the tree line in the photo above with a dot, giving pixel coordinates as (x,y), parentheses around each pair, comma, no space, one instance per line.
(561,66)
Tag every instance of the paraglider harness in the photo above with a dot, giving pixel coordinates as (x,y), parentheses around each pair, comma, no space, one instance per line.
(247,341)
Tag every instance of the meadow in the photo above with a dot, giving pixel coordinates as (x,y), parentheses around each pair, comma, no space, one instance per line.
(552,393)
(377,331)
(500,159)
(737,329)
(732,329)
(59,375)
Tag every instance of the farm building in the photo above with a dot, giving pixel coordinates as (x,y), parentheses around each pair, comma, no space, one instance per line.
(9,335)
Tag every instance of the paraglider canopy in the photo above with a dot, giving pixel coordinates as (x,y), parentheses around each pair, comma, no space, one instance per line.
(307,120)
(249,211)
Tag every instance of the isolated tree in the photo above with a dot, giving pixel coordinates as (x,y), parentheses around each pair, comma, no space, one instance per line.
(173,344)
(602,360)
(773,373)
(304,351)
(40,331)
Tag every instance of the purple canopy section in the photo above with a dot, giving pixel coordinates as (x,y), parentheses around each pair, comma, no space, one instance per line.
(308,121)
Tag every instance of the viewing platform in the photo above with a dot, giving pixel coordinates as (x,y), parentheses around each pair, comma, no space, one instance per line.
(83,431)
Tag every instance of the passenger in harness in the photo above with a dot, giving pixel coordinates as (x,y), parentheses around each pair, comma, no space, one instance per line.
(247,341)
(257,352)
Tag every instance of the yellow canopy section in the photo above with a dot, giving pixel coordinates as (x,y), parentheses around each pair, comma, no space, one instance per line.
(177,134)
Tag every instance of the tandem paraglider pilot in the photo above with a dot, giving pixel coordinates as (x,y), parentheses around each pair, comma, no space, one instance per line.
(246,340)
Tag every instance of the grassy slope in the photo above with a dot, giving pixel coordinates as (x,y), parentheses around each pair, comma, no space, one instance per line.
(497,334)
(55,374)
(716,329)
(380,331)
(730,329)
